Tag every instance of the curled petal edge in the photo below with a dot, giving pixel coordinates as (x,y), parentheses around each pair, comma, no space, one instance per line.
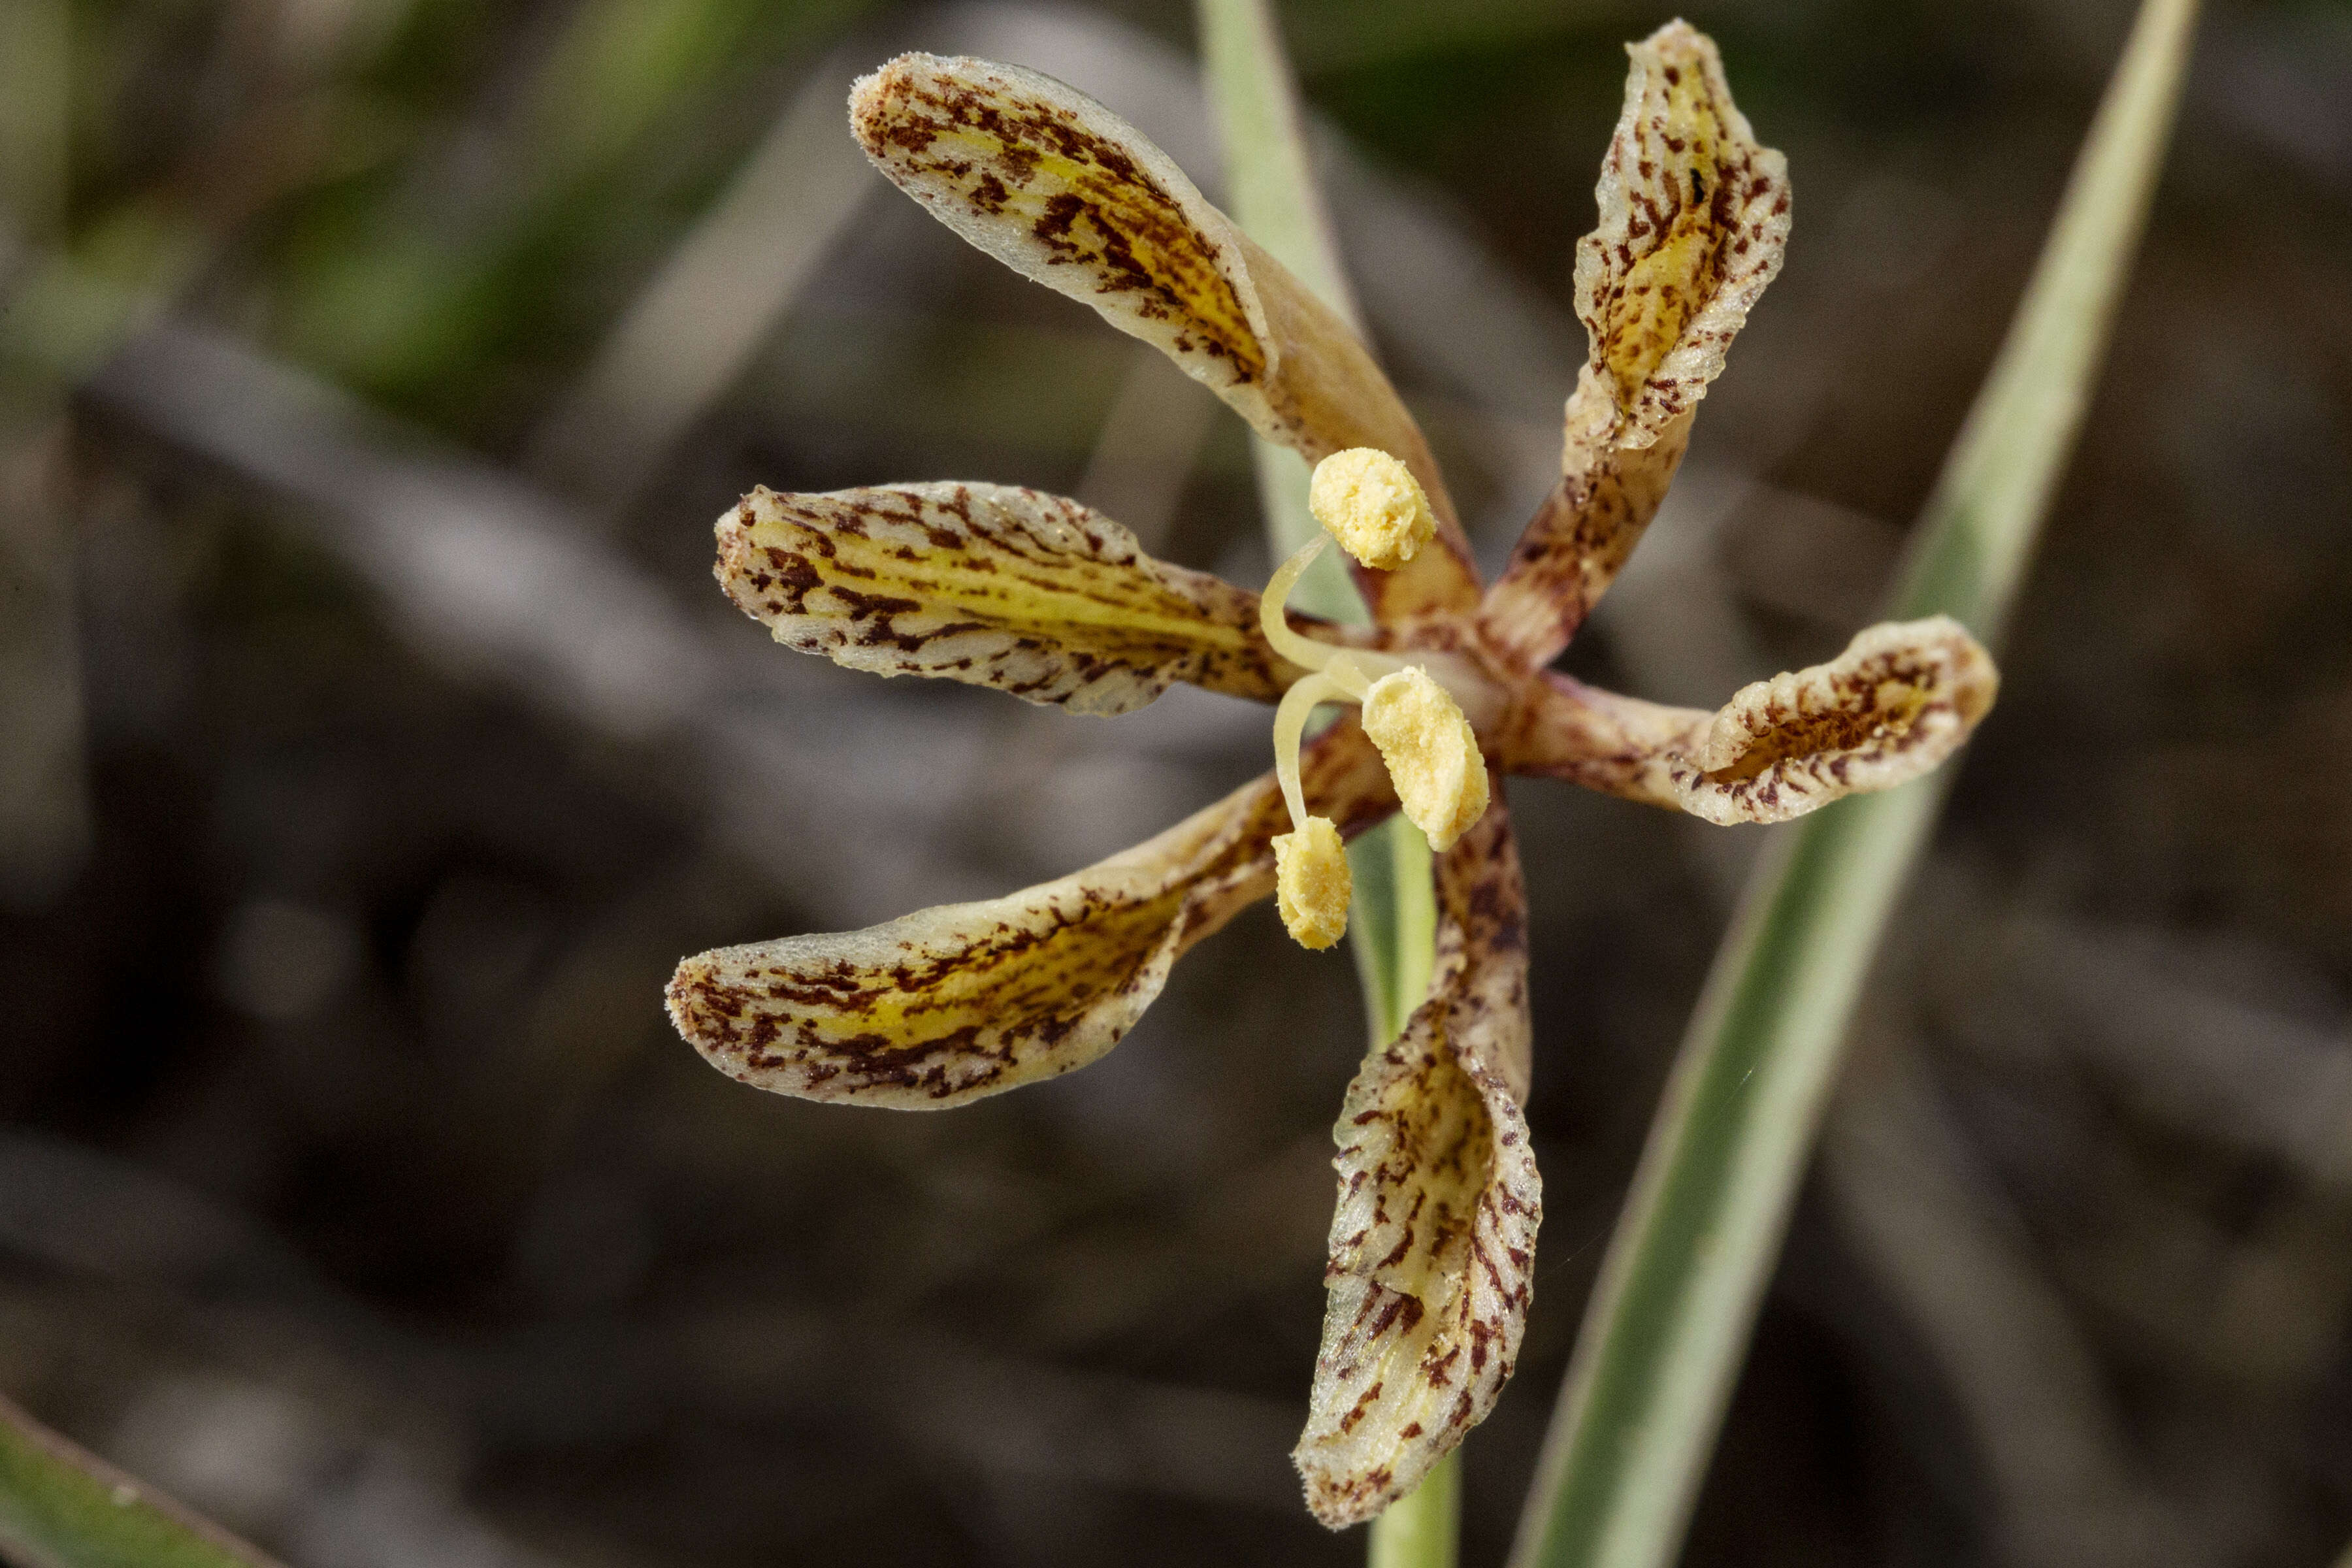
(1693,220)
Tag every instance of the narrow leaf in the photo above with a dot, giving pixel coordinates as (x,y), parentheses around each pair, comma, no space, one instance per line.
(1663,1341)
(61,1506)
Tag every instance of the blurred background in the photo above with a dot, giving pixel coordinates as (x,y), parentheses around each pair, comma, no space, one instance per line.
(373,741)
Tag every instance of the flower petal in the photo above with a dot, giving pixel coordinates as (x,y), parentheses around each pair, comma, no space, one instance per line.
(1896,702)
(1693,216)
(947,1004)
(1066,192)
(1025,592)
(1433,1244)
(1694,219)
(1899,700)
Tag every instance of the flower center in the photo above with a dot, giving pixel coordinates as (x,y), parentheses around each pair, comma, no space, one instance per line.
(1373,507)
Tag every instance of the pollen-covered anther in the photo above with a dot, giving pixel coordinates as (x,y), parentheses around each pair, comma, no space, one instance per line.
(1312,883)
(1372,505)
(1430,751)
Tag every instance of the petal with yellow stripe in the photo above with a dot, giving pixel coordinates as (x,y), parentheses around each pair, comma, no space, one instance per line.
(1433,1244)
(1065,192)
(949,1004)
(1028,593)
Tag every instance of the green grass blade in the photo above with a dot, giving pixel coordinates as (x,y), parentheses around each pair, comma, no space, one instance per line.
(63,1507)
(1270,186)
(1272,194)
(1663,1341)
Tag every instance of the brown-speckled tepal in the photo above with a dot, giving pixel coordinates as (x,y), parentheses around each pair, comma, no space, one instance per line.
(1896,702)
(1694,221)
(947,1004)
(1028,593)
(1433,1242)
(1060,189)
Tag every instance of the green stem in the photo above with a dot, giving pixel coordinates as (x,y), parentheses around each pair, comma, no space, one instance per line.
(1663,1340)
(1422,1530)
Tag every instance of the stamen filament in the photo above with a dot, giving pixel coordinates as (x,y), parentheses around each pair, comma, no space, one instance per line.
(1354,667)
(1290,724)
(1302,651)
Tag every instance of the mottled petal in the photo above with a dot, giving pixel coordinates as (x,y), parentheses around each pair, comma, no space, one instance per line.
(1432,1244)
(1898,701)
(1693,216)
(1025,592)
(947,1004)
(1694,219)
(1065,192)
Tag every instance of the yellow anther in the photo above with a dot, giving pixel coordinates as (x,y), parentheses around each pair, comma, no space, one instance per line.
(1372,505)
(1430,752)
(1312,883)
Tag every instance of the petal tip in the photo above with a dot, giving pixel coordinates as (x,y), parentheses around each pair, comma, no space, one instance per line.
(1694,215)
(1899,700)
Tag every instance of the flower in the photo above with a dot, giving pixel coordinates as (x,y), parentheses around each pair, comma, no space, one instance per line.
(1431,1244)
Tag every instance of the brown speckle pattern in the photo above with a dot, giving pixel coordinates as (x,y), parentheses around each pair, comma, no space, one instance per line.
(1432,1243)
(1584,532)
(947,1004)
(1066,193)
(1694,217)
(1028,593)
(1896,703)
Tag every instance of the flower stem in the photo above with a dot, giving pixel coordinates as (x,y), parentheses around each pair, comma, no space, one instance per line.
(1423,1530)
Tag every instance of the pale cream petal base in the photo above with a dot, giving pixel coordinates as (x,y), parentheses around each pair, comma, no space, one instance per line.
(1433,1244)
(1584,532)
